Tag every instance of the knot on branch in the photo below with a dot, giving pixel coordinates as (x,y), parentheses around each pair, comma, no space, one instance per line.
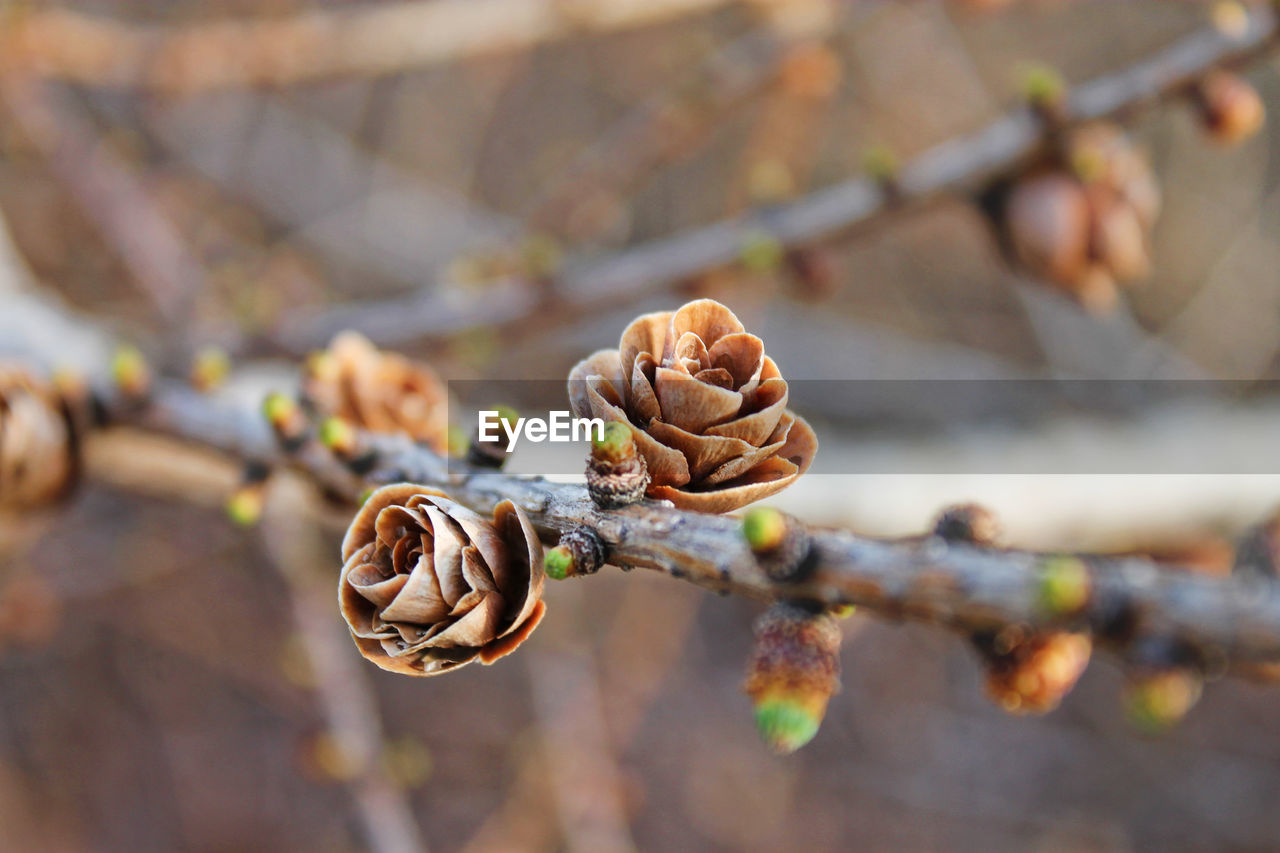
(971,523)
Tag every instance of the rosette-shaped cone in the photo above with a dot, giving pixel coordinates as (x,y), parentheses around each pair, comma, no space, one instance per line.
(707,407)
(378,391)
(37,457)
(428,585)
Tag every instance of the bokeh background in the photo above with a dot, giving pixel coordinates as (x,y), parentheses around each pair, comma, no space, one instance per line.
(169,681)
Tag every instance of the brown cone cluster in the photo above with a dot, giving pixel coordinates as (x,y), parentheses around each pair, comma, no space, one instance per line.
(37,454)
(378,391)
(706,406)
(1031,673)
(428,586)
(1085,225)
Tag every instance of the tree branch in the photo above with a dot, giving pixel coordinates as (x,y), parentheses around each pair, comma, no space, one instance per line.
(587,285)
(964,587)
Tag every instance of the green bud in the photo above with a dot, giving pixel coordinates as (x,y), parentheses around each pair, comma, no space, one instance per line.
(278,407)
(244,506)
(1156,703)
(559,563)
(1065,586)
(615,443)
(881,164)
(337,435)
(764,528)
(761,252)
(458,441)
(1042,85)
(210,368)
(785,725)
(130,372)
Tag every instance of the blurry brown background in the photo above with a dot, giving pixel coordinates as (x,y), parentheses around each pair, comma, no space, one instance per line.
(157,683)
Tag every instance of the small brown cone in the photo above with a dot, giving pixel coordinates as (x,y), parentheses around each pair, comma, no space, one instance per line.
(706,407)
(37,453)
(378,391)
(428,585)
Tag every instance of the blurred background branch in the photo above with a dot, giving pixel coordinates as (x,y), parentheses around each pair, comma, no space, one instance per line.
(588,285)
(383,38)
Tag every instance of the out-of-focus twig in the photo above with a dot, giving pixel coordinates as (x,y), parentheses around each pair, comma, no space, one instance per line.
(375,39)
(294,542)
(581,762)
(109,193)
(660,128)
(631,674)
(587,284)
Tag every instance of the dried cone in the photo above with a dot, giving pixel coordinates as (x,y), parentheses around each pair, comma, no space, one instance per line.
(1030,674)
(706,406)
(37,457)
(1230,108)
(378,391)
(793,672)
(428,585)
